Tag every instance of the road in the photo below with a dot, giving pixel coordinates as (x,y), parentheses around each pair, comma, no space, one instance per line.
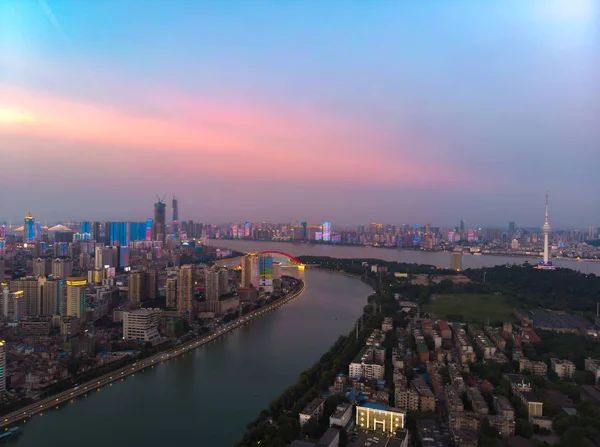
(24,413)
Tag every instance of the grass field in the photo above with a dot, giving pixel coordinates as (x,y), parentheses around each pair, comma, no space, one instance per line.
(471,307)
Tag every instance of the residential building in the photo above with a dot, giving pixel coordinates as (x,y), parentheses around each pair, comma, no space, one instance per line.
(313,410)
(41,267)
(142,325)
(593,365)
(76,296)
(185,289)
(477,401)
(368,364)
(526,365)
(563,368)
(342,415)
(250,277)
(171,292)
(387,324)
(62,268)
(137,287)
(426,396)
(31,293)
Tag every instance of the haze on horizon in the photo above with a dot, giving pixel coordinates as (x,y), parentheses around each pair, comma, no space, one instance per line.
(354,111)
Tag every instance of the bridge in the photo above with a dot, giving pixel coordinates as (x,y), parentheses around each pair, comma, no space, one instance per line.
(290,259)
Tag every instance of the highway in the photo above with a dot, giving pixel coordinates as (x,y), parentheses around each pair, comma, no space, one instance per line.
(21,416)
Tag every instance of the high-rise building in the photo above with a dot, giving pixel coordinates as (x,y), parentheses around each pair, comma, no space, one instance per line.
(250,271)
(76,296)
(152,284)
(137,286)
(462,225)
(265,271)
(1,269)
(149,227)
(106,257)
(511,227)
(31,294)
(159,229)
(2,367)
(29,229)
(216,284)
(175,215)
(62,268)
(41,267)
(171,292)
(326,231)
(13,304)
(456,260)
(52,296)
(185,289)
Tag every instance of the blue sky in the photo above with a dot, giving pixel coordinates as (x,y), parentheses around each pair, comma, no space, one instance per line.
(350,111)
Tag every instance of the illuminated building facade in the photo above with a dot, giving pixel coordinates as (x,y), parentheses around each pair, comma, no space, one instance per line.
(326,231)
(250,271)
(377,417)
(265,271)
(76,296)
(247,229)
(86,231)
(185,289)
(29,229)
(148,232)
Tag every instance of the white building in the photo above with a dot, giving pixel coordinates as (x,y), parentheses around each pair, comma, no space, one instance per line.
(563,368)
(593,365)
(341,415)
(368,364)
(142,325)
(313,410)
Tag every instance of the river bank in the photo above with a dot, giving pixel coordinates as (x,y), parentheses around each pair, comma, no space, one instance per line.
(23,414)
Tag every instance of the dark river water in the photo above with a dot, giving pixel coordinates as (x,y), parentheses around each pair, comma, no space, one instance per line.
(207,397)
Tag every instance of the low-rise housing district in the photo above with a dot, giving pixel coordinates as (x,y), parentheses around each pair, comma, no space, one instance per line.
(430,367)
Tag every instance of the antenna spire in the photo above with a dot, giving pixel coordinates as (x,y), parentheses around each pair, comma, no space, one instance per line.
(546,206)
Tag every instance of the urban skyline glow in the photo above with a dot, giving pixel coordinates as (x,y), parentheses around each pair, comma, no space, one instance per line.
(301,110)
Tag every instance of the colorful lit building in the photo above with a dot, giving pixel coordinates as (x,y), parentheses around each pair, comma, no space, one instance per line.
(29,229)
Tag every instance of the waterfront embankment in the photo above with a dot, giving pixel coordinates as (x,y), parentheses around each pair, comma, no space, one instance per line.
(23,414)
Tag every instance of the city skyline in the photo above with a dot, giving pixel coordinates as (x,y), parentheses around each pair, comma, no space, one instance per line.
(271,111)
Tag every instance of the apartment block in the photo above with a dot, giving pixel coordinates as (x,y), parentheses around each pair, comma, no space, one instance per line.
(563,368)
(477,401)
(526,365)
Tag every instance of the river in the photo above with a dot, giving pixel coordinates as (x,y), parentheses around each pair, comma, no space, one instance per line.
(207,397)
(441,259)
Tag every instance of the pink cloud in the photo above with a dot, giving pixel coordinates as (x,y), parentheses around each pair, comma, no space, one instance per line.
(250,141)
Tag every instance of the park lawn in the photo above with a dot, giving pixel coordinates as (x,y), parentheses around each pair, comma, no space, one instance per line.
(477,308)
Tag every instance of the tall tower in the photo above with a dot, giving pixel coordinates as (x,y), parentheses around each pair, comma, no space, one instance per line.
(29,232)
(175,215)
(546,231)
(2,367)
(159,229)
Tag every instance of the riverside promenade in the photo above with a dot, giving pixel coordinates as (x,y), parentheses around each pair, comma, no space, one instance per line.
(22,415)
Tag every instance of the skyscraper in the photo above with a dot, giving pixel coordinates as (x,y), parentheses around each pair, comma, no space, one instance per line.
(137,287)
(175,215)
(546,231)
(326,231)
(171,292)
(29,231)
(462,225)
(62,268)
(511,227)
(159,229)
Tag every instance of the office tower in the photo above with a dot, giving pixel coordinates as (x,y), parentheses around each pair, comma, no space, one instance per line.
(76,296)
(326,231)
(52,291)
(137,287)
(250,271)
(462,225)
(2,247)
(95,231)
(3,231)
(1,270)
(591,232)
(185,289)
(175,215)
(86,231)
(456,260)
(142,325)
(2,367)
(62,268)
(171,292)
(159,230)
(29,229)
(247,229)
(304,230)
(511,227)
(31,293)
(265,271)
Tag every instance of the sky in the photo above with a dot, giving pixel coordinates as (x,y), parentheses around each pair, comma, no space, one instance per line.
(404,111)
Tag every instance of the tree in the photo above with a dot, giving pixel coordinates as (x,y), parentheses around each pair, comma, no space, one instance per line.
(523,428)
